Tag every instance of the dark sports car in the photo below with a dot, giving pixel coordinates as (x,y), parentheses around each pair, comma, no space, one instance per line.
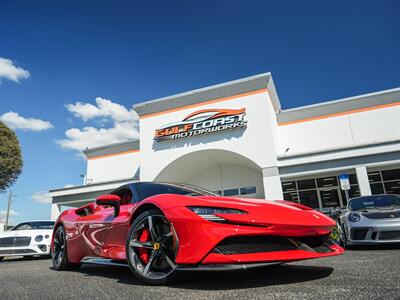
(160,229)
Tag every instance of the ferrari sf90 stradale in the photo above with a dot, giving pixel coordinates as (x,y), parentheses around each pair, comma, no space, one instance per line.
(160,229)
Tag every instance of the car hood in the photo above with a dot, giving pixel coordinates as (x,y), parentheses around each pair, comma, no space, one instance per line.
(31,233)
(265,212)
(381,213)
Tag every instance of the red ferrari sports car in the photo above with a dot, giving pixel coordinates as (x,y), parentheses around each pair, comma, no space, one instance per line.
(160,229)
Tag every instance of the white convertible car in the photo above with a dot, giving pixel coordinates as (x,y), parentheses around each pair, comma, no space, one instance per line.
(27,239)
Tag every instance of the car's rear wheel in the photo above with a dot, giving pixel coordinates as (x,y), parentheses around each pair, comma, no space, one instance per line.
(59,253)
(1,258)
(151,248)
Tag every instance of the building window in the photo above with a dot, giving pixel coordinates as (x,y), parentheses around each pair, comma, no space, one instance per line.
(385,181)
(248,190)
(309,198)
(321,192)
(231,192)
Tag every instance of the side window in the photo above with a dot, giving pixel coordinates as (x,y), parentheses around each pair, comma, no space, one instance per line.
(125,194)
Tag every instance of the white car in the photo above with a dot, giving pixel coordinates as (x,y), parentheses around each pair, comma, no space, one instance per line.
(27,239)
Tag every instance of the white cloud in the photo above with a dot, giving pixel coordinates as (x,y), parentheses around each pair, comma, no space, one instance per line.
(3,213)
(11,72)
(41,196)
(125,124)
(104,108)
(15,121)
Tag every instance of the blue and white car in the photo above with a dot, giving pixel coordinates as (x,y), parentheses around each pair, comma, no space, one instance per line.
(27,239)
(370,220)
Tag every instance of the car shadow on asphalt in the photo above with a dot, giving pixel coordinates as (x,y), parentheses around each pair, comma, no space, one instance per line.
(221,280)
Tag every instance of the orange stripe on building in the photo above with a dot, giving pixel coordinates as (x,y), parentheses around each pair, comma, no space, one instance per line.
(113,154)
(340,113)
(203,103)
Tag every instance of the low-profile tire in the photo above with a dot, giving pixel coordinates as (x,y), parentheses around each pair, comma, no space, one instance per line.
(59,252)
(1,258)
(151,248)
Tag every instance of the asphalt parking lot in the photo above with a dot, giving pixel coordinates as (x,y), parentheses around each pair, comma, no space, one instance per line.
(372,273)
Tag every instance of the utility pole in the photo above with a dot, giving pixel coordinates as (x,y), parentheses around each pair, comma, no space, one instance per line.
(10,196)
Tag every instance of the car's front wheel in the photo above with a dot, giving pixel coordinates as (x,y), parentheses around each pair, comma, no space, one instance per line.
(151,248)
(1,258)
(59,251)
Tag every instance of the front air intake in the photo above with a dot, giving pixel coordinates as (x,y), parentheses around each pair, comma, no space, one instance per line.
(264,244)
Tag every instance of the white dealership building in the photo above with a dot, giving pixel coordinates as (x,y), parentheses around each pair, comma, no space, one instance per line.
(235,139)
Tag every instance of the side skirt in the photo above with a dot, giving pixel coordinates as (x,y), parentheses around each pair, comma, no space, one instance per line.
(104,261)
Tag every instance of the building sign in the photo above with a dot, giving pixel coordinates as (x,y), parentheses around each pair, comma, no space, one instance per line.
(344,181)
(202,122)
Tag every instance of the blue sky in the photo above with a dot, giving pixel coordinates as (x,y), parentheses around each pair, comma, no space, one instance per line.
(132,51)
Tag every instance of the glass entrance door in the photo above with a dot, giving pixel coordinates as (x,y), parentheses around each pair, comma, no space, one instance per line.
(330,197)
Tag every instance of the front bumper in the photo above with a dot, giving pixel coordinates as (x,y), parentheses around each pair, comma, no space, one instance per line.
(200,242)
(31,250)
(380,232)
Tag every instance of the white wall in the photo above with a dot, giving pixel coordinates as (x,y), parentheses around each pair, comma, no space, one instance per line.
(352,130)
(256,142)
(115,167)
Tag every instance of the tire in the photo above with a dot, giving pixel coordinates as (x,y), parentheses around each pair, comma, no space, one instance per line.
(1,258)
(59,255)
(151,248)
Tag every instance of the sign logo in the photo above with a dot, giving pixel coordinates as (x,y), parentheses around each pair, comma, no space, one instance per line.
(202,122)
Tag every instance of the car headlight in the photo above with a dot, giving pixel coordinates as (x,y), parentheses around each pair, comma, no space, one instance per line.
(39,238)
(210,213)
(353,217)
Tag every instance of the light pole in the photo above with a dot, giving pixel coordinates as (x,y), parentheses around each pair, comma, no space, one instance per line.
(10,196)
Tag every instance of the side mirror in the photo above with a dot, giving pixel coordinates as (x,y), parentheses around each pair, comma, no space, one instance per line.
(110,200)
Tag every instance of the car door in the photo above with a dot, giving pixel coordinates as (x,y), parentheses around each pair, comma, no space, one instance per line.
(119,226)
(93,228)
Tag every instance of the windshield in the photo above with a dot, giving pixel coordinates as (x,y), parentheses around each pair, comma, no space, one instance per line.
(34,225)
(148,189)
(377,201)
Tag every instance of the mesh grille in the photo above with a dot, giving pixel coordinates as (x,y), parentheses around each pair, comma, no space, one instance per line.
(359,234)
(390,235)
(18,241)
(265,244)
(7,242)
(253,244)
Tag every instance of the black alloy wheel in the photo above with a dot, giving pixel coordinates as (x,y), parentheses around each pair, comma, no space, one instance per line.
(59,251)
(151,247)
